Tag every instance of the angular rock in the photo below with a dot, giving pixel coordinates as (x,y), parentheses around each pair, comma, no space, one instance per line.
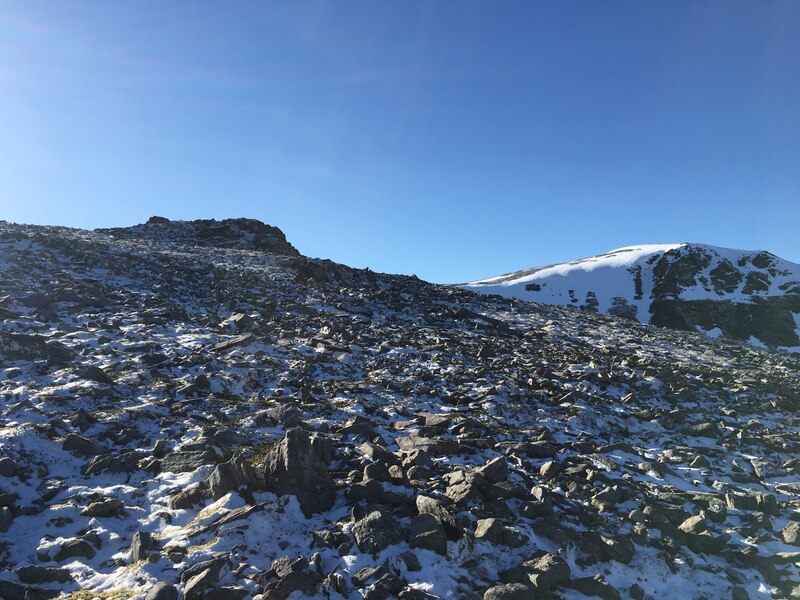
(433,446)
(292,467)
(39,574)
(197,585)
(162,591)
(432,506)
(9,467)
(510,591)
(791,533)
(377,531)
(83,446)
(125,462)
(106,507)
(694,525)
(495,471)
(547,572)
(75,548)
(427,532)
(307,582)
(232,475)
(489,530)
(142,546)
(6,518)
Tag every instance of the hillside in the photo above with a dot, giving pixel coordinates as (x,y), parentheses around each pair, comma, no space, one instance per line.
(752,296)
(196,410)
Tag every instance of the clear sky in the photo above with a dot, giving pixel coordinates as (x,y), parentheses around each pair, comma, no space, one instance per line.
(453,140)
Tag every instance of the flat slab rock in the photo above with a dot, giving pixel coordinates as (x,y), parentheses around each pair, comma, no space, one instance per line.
(433,446)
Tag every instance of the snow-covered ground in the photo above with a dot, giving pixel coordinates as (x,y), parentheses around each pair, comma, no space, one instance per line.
(498,441)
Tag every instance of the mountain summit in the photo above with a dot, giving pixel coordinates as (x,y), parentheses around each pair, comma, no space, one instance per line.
(748,295)
(241,234)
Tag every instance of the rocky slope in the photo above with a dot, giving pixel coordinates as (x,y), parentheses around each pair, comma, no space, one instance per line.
(195,410)
(752,296)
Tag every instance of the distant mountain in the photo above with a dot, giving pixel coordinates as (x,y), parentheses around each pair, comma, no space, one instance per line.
(748,295)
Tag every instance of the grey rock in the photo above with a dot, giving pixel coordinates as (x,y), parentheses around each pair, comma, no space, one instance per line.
(433,446)
(162,591)
(306,582)
(232,475)
(547,572)
(694,525)
(510,591)
(532,509)
(376,531)
(409,593)
(791,533)
(367,575)
(411,561)
(287,415)
(292,467)
(186,461)
(239,340)
(189,497)
(596,587)
(21,346)
(464,487)
(492,530)
(125,462)
(489,530)
(197,585)
(11,590)
(83,446)
(739,593)
(39,574)
(370,490)
(93,373)
(75,548)
(323,447)
(241,322)
(495,471)
(226,592)
(9,467)
(377,470)
(105,507)
(432,506)
(427,532)
(216,565)
(142,545)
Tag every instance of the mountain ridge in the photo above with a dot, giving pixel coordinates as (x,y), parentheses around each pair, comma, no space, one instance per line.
(741,293)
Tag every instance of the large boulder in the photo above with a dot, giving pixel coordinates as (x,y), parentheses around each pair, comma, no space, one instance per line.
(292,467)
(427,532)
(511,591)
(232,475)
(377,531)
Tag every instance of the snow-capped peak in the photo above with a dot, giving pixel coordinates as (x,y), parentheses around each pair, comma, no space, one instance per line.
(653,282)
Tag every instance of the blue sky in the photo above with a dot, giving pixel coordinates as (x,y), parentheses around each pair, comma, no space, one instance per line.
(453,140)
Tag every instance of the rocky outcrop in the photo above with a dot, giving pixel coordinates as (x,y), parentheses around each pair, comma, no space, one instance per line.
(770,320)
(241,234)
